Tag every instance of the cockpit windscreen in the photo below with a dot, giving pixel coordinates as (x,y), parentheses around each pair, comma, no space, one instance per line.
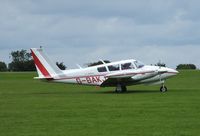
(139,64)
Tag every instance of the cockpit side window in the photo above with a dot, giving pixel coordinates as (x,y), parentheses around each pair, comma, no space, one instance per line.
(113,67)
(139,64)
(126,66)
(101,69)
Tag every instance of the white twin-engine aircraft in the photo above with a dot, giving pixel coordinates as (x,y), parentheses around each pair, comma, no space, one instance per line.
(116,74)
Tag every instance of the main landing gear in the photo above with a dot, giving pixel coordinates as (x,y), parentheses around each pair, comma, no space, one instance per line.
(163,88)
(120,88)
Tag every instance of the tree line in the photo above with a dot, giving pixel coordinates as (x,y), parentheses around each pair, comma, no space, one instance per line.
(23,61)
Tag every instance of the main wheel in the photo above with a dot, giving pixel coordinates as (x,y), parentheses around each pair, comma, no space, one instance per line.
(163,89)
(120,89)
(124,89)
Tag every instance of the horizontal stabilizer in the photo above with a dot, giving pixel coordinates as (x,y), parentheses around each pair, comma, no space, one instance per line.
(43,78)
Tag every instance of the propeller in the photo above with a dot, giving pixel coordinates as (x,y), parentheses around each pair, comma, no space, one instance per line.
(160,70)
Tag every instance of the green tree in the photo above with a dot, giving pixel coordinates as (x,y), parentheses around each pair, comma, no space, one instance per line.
(3,66)
(21,61)
(186,66)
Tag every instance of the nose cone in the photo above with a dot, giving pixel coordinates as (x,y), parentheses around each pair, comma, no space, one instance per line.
(172,72)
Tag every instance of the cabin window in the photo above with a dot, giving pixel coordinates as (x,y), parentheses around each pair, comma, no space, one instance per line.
(127,66)
(139,64)
(113,67)
(101,69)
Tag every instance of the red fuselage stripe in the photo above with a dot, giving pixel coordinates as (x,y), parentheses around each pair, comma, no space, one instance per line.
(105,75)
(78,77)
(40,66)
(133,73)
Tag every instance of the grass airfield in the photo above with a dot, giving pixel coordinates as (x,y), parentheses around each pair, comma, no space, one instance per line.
(33,108)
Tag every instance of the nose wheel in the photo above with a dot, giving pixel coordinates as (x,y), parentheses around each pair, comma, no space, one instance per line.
(163,88)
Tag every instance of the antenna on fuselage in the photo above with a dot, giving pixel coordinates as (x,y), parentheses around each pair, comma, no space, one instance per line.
(79,66)
(159,64)
(102,61)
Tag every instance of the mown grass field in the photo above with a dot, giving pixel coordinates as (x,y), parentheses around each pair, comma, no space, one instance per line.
(33,108)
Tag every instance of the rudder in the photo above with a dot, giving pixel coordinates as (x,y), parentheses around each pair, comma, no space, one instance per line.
(45,67)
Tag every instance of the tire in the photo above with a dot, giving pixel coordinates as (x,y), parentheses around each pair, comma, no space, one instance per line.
(124,89)
(163,89)
(120,89)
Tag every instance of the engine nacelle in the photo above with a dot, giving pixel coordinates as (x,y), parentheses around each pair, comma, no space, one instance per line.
(142,76)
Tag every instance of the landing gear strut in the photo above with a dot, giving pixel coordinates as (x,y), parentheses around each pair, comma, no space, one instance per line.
(163,88)
(120,88)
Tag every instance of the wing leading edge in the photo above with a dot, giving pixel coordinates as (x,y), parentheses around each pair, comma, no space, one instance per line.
(129,78)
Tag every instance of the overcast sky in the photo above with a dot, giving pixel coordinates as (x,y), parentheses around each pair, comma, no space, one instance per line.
(81,31)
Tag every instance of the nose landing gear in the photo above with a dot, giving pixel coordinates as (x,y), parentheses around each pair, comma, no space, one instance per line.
(163,88)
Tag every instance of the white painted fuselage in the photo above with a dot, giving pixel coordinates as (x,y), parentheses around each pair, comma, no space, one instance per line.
(90,76)
(125,72)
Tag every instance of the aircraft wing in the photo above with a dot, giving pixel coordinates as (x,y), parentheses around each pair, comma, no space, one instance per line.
(129,78)
(115,81)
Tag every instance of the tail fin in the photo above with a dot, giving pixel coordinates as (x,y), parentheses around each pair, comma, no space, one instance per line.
(45,67)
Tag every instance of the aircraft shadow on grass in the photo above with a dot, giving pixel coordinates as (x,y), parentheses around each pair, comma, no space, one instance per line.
(57,92)
(95,92)
(128,92)
(138,91)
